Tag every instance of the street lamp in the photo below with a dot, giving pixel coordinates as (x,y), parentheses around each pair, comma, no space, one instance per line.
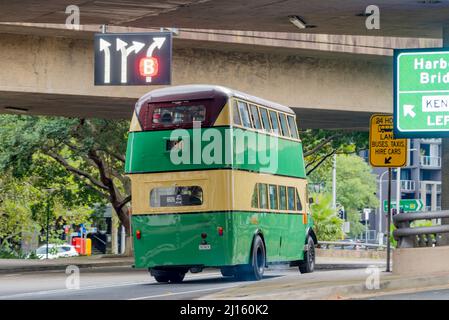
(380,204)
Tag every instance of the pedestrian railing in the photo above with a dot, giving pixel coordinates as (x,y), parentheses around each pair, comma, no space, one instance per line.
(350,245)
(410,237)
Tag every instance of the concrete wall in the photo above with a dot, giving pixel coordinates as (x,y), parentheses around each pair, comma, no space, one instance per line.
(59,66)
(421,261)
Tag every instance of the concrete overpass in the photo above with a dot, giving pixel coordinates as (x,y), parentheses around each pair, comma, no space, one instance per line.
(406,18)
(331,81)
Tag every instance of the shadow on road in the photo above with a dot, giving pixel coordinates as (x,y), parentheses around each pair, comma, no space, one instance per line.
(206,281)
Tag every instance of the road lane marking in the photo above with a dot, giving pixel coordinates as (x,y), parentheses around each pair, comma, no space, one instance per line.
(186,292)
(123,284)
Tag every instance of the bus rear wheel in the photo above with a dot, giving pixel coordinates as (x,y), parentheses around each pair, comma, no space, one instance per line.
(173,276)
(255,270)
(308,264)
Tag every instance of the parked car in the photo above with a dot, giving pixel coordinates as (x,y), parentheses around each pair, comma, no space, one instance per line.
(56,251)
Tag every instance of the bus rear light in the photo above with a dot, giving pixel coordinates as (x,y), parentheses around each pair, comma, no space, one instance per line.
(220,231)
(138,234)
(204,235)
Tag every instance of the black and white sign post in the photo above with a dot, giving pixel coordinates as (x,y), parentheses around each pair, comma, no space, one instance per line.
(133,58)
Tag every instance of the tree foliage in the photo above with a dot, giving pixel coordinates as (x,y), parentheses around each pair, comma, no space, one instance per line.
(328,226)
(356,187)
(82,160)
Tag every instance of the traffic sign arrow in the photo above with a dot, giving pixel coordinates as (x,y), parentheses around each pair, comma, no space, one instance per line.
(104,46)
(157,43)
(408,110)
(121,46)
(387,160)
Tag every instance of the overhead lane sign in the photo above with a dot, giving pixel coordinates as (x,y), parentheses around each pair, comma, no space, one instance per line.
(421,93)
(133,58)
(384,150)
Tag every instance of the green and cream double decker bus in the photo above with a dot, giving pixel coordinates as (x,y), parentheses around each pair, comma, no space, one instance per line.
(218,180)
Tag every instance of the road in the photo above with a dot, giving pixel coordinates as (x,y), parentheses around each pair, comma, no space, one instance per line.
(118,283)
(434,294)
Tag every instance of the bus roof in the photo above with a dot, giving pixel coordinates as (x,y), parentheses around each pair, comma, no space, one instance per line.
(198,91)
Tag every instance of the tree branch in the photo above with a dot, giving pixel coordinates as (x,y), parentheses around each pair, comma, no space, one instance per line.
(76,171)
(321,161)
(320,145)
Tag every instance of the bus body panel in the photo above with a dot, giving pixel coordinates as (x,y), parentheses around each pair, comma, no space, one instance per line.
(175,239)
(285,156)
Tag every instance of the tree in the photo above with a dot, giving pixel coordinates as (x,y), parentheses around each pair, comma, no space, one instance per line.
(88,153)
(328,226)
(356,187)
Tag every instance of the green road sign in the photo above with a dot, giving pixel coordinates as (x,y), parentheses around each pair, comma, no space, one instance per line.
(421,93)
(408,205)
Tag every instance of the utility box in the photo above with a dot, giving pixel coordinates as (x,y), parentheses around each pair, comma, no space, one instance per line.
(88,247)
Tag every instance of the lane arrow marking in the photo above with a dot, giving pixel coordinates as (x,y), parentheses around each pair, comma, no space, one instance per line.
(104,46)
(408,110)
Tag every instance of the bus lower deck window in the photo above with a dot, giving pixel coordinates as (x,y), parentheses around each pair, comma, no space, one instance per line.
(263,198)
(273,197)
(282,198)
(176,196)
(291,198)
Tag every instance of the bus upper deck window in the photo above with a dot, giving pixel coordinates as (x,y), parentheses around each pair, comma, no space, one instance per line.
(293,128)
(284,125)
(235,114)
(265,119)
(274,121)
(243,108)
(176,196)
(255,117)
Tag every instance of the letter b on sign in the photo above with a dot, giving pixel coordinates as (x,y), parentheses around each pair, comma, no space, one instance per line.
(148,67)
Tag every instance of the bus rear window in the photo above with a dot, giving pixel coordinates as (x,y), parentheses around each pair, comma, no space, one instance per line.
(176,196)
(179,115)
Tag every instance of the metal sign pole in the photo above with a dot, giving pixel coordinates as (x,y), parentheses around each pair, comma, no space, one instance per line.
(389,220)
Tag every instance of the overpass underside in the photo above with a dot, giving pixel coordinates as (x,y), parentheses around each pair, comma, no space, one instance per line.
(48,75)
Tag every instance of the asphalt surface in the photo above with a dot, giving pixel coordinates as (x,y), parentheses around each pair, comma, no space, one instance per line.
(439,294)
(122,283)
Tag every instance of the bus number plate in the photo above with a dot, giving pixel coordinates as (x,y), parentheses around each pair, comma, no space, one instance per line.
(204,247)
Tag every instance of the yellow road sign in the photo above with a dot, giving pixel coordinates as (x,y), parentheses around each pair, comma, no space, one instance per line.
(384,151)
